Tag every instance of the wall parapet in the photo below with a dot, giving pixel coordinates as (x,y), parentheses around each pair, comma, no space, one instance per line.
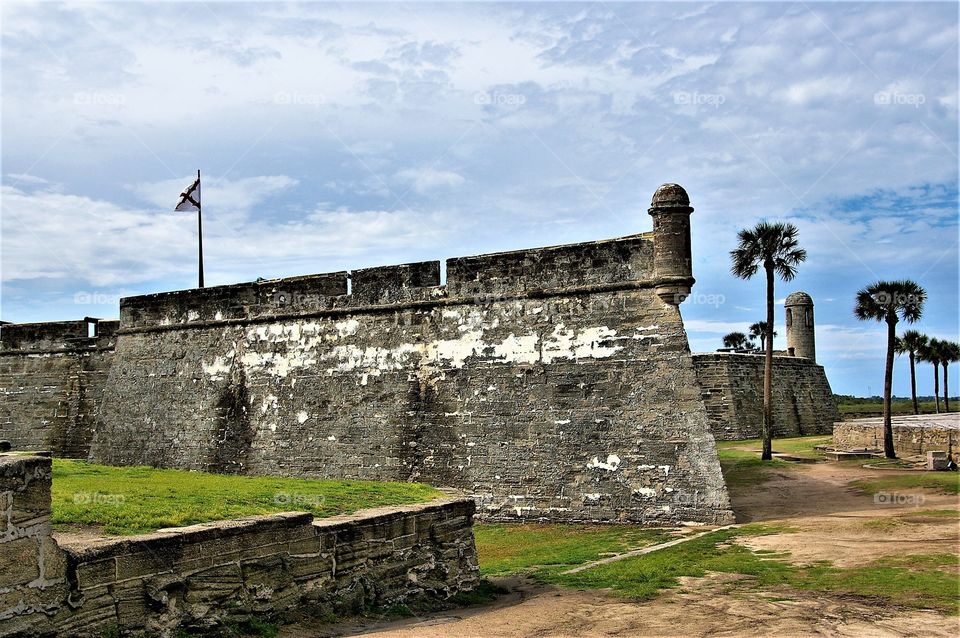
(621,263)
(207,576)
(568,266)
(58,337)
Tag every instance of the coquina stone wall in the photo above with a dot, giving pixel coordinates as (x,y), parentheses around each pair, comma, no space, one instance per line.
(33,569)
(549,383)
(205,578)
(732,388)
(51,383)
(912,434)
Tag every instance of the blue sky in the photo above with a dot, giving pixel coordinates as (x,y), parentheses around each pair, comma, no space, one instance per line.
(344,136)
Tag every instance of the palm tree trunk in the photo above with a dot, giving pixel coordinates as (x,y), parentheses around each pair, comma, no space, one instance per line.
(936,384)
(767,453)
(887,389)
(913,383)
(946,389)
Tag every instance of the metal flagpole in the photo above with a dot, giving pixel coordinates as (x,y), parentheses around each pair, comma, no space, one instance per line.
(200,226)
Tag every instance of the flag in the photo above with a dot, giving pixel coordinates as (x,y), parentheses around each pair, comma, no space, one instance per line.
(190,198)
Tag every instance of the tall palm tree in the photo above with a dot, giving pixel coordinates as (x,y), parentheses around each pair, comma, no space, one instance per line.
(889,301)
(930,353)
(949,353)
(913,342)
(759,331)
(774,247)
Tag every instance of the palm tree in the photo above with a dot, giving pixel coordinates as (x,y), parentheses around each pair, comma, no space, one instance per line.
(913,342)
(775,248)
(930,353)
(759,331)
(890,301)
(737,341)
(949,353)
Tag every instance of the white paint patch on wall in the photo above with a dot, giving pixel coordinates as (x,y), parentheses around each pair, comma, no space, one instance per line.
(220,367)
(347,328)
(313,344)
(611,464)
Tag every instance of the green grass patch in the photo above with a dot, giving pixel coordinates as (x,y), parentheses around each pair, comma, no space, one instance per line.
(855,407)
(932,514)
(802,446)
(642,577)
(740,460)
(944,482)
(512,549)
(134,500)
(742,469)
(910,581)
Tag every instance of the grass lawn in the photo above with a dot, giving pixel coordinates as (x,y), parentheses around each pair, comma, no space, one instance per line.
(512,549)
(944,482)
(865,408)
(801,446)
(741,464)
(133,500)
(545,551)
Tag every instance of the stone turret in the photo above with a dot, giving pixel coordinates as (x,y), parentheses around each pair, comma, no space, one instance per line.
(673,264)
(800,328)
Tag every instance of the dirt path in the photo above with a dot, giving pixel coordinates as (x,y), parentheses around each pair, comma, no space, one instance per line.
(832,522)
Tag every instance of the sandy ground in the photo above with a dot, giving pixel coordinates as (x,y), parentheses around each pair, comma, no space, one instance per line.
(833,522)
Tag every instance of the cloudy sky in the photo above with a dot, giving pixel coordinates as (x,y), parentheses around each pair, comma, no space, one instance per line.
(341,136)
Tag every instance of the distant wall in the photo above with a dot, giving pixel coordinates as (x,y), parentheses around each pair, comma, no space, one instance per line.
(51,382)
(203,578)
(547,383)
(913,434)
(732,389)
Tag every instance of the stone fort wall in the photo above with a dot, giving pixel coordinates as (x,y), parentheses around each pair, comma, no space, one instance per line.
(732,388)
(548,383)
(51,382)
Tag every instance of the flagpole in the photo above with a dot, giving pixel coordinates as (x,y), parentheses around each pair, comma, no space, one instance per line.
(200,228)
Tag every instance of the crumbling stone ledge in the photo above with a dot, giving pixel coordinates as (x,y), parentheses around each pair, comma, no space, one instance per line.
(206,577)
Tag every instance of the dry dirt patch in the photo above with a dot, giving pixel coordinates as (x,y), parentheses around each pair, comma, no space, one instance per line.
(712,606)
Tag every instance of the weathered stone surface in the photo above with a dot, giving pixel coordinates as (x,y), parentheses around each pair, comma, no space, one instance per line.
(32,569)
(732,389)
(937,461)
(51,382)
(912,434)
(19,563)
(151,585)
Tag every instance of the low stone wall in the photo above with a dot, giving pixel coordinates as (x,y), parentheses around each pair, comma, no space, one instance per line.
(731,385)
(33,570)
(911,434)
(203,578)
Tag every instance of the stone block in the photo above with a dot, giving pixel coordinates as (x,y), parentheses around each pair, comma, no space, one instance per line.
(53,558)
(936,460)
(19,561)
(96,572)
